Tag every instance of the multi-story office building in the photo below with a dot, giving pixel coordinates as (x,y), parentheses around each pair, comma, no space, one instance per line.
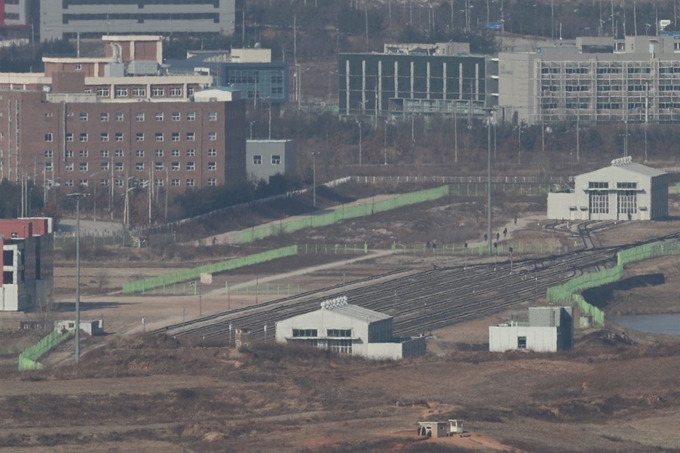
(86,121)
(416,79)
(66,18)
(593,80)
(13,12)
(251,71)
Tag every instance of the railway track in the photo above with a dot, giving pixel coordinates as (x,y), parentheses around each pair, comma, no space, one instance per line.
(426,300)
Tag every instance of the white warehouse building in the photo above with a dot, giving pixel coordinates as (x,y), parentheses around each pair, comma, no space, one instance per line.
(623,191)
(349,329)
(549,329)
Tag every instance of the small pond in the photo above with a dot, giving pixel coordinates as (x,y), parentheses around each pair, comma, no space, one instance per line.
(668,324)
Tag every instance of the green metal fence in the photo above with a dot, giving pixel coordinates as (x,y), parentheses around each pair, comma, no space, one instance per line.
(195,273)
(61,242)
(28,360)
(342,213)
(267,289)
(567,292)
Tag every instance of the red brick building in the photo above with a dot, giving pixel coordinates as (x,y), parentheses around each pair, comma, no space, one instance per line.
(86,122)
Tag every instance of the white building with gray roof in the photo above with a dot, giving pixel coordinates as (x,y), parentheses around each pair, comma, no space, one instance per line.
(624,191)
(348,329)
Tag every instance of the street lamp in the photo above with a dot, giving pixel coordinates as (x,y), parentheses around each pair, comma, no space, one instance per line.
(385,144)
(77,196)
(359,123)
(314,177)
(488,168)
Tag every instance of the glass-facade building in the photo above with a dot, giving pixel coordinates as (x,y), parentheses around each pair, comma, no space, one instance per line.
(397,84)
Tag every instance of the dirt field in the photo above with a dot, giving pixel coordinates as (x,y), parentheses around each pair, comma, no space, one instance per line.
(612,393)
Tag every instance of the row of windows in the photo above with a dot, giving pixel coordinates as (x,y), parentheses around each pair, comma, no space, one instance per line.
(189,182)
(598,185)
(139,136)
(257,160)
(342,333)
(305,332)
(212,152)
(599,202)
(139,166)
(140,116)
(626,185)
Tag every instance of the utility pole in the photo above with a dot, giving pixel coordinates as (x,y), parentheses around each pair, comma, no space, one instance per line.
(359,123)
(77,196)
(314,178)
(578,141)
(488,168)
(455,132)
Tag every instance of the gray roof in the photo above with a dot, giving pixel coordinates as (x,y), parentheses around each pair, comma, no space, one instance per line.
(642,169)
(361,313)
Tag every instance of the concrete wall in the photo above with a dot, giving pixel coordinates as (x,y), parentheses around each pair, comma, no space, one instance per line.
(411,348)
(539,339)
(266,149)
(559,206)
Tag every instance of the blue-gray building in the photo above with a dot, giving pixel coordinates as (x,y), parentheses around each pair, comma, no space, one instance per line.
(250,71)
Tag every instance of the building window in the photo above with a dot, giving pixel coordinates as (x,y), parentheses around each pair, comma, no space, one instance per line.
(139,166)
(175,153)
(119,166)
(191,116)
(212,152)
(159,137)
(83,117)
(175,92)
(119,182)
(212,116)
(212,136)
(79,67)
(191,137)
(83,137)
(598,185)
(159,182)
(158,153)
(104,166)
(521,342)
(175,166)
(139,136)
(104,153)
(190,91)
(257,160)
(48,166)
(276,160)
(190,182)
(159,166)
(140,117)
(340,333)
(83,167)
(212,166)
(68,166)
(175,136)
(121,92)
(103,93)
(119,136)
(175,182)
(105,182)
(156,92)
(120,117)
(191,152)
(599,202)
(83,182)
(626,185)
(83,153)
(212,182)
(69,136)
(119,153)
(48,137)
(68,183)
(139,153)
(191,166)
(87,91)
(138,92)
(48,115)
(176,116)
(68,153)
(104,136)
(49,153)
(159,116)
(305,333)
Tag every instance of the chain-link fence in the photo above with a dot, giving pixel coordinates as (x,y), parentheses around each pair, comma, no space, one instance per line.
(28,360)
